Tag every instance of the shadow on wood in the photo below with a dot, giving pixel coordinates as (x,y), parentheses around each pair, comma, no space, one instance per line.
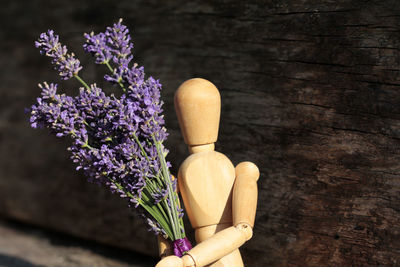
(309,93)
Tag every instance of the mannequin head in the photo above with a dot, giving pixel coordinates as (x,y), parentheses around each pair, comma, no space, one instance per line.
(198,107)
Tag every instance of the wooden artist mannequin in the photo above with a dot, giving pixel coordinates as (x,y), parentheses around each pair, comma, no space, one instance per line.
(220,200)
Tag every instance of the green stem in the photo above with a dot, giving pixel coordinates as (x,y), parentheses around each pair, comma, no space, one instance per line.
(82,81)
(112,71)
(147,158)
(155,210)
(141,147)
(171,192)
(146,204)
(170,213)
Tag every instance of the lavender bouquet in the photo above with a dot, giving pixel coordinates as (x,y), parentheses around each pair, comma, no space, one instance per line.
(116,140)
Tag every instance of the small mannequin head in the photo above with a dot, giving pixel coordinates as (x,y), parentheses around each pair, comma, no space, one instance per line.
(198,107)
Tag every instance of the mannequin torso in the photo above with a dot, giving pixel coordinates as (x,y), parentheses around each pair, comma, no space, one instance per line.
(206,181)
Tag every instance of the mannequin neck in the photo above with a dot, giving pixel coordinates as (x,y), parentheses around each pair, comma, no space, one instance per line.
(201,148)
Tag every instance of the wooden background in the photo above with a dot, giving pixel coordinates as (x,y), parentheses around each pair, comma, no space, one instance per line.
(310,93)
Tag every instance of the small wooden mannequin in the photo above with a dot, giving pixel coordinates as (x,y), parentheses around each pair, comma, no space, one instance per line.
(220,199)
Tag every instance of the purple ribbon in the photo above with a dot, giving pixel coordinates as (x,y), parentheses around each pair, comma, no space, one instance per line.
(181,246)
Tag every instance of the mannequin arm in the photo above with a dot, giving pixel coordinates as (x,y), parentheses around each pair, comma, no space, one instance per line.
(210,250)
(227,240)
(245,194)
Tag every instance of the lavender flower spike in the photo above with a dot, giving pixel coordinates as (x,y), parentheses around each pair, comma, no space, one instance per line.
(119,41)
(113,47)
(65,63)
(117,140)
(96,44)
(114,44)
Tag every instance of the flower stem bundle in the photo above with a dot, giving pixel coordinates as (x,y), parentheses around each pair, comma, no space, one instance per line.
(116,140)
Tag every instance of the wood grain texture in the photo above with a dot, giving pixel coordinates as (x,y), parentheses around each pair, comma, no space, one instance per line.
(310,93)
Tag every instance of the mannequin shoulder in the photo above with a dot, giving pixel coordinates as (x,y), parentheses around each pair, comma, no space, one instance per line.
(205,161)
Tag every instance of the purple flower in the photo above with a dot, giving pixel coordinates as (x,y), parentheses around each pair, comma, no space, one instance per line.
(114,44)
(116,141)
(119,42)
(49,45)
(96,44)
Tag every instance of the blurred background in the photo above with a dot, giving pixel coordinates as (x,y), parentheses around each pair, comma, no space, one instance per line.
(310,93)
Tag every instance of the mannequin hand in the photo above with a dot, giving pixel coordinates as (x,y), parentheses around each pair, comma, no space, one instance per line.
(170,261)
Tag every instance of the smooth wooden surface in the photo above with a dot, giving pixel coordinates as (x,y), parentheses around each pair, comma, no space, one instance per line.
(201,148)
(171,261)
(205,232)
(213,250)
(245,193)
(198,107)
(310,93)
(206,179)
(217,240)
(206,182)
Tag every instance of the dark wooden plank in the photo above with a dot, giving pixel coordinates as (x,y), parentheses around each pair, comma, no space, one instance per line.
(310,92)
